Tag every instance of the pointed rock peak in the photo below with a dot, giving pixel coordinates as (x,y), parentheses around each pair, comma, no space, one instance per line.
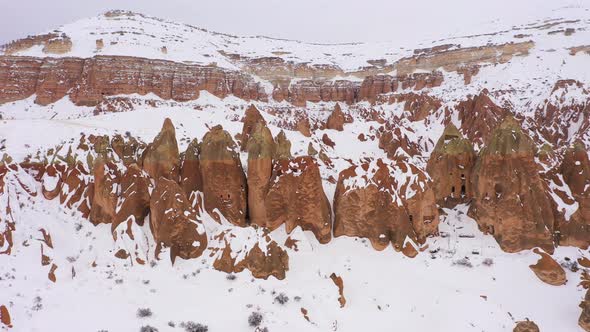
(453,142)
(451,132)
(161,158)
(282,146)
(218,145)
(168,126)
(251,119)
(193,150)
(311,151)
(260,144)
(336,119)
(510,138)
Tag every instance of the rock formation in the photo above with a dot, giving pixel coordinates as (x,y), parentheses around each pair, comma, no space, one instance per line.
(251,118)
(104,200)
(260,153)
(161,158)
(575,169)
(479,117)
(336,119)
(191,179)
(526,326)
(174,223)
(224,182)
(370,202)
(296,197)
(510,198)
(450,166)
(548,270)
(134,202)
(584,320)
(88,81)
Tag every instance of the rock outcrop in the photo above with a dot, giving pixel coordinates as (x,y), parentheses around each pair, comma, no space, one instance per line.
(526,326)
(260,153)
(134,202)
(575,169)
(296,198)
(161,158)
(174,222)
(191,178)
(548,270)
(510,198)
(104,200)
(450,166)
(479,117)
(336,119)
(584,320)
(88,81)
(224,181)
(370,202)
(251,118)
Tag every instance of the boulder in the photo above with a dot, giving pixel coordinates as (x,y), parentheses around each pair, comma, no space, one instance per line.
(224,182)
(174,222)
(511,201)
(282,147)
(526,326)
(548,270)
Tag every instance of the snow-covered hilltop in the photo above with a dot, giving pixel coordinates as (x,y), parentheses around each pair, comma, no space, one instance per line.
(339,186)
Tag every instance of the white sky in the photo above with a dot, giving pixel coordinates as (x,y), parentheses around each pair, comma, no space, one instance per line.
(307,20)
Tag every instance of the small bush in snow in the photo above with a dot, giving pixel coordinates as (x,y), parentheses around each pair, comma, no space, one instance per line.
(144,312)
(37,303)
(282,298)
(297,298)
(148,328)
(488,262)
(171,324)
(463,262)
(194,327)
(255,319)
(230,276)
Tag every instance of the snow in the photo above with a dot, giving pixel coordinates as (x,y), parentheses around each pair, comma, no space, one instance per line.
(383,289)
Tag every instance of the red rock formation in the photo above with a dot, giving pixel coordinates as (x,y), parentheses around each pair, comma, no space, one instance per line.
(191,180)
(510,199)
(584,320)
(575,169)
(336,119)
(373,86)
(479,117)
(161,158)
(526,326)
(174,223)
(391,140)
(566,109)
(224,182)
(260,153)
(548,270)
(87,81)
(326,140)
(450,166)
(5,316)
(104,200)
(369,202)
(315,91)
(296,197)
(128,149)
(135,197)
(251,118)
(274,261)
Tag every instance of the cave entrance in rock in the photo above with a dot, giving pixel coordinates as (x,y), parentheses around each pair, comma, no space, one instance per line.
(462,190)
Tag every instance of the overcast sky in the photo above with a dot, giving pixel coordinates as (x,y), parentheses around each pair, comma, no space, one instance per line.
(308,20)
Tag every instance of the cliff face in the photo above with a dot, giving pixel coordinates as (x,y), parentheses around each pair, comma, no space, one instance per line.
(87,81)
